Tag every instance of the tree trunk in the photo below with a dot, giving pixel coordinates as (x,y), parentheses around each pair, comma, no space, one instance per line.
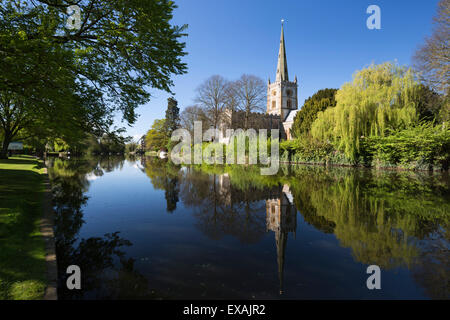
(247,115)
(4,151)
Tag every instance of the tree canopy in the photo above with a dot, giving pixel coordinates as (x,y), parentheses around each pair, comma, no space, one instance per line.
(380,97)
(213,95)
(157,137)
(249,92)
(191,114)
(52,75)
(172,116)
(304,118)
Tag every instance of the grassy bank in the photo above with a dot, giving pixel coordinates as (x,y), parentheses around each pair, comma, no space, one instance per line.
(22,250)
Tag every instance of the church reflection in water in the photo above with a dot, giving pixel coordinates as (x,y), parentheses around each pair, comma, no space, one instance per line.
(281,219)
(281,214)
(241,214)
(221,208)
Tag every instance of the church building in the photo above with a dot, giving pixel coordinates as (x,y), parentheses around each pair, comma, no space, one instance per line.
(282,94)
(282,104)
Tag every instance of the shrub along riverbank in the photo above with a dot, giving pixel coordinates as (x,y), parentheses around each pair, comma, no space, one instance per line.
(22,248)
(383,118)
(424,147)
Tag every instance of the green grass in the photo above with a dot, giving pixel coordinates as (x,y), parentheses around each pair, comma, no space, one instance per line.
(22,248)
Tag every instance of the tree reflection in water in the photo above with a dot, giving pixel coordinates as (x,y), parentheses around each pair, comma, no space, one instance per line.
(101,277)
(164,175)
(388,218)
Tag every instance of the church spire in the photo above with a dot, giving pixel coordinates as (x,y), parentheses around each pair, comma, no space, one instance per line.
(282,71)
(281,240)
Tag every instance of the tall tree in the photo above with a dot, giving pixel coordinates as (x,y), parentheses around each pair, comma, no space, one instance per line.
(191,114)
(321,100)
(69,115)
(380,97)
(432,60)
(121,49)
(429,104)
(172,116)
(156,137)
(213,95)
(250,92)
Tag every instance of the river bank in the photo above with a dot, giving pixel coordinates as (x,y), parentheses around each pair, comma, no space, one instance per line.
(26,234)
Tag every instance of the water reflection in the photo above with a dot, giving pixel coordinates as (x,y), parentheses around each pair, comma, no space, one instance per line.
(102,277)
(281,219)
(397,220)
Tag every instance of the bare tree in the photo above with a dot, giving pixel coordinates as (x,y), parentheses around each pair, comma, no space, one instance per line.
(432,60)
(231,95)
(213,95)
(191,114)
(250,92)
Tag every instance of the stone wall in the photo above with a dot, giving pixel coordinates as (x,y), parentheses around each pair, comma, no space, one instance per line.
(236,120)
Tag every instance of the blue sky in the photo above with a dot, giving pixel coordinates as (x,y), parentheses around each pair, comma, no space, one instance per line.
(326,42)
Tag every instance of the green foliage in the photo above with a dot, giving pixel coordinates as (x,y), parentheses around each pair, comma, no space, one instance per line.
(22,247)
(157,137)
(172,116)
(59,145)
(131,147)
(310,150)
(321,100)
(63,83)
(112,144)
(93,145)
(421,147)
(380,98)
(429,104)
(444,113)
(374,123)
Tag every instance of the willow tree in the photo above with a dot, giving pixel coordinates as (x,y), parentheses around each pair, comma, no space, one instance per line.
(380,97)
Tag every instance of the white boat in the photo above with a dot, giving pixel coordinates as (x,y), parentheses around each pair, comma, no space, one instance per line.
(162,154)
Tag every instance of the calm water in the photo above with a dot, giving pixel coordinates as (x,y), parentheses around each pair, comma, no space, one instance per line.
(147,229)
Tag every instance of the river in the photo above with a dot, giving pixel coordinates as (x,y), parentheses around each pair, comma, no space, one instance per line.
(144,228)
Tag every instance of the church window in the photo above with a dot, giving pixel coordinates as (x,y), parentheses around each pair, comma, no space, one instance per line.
(274,104)
(289,104)
(289,93)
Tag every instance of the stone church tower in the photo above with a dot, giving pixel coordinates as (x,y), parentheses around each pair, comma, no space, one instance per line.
(282,104)
(282,94)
